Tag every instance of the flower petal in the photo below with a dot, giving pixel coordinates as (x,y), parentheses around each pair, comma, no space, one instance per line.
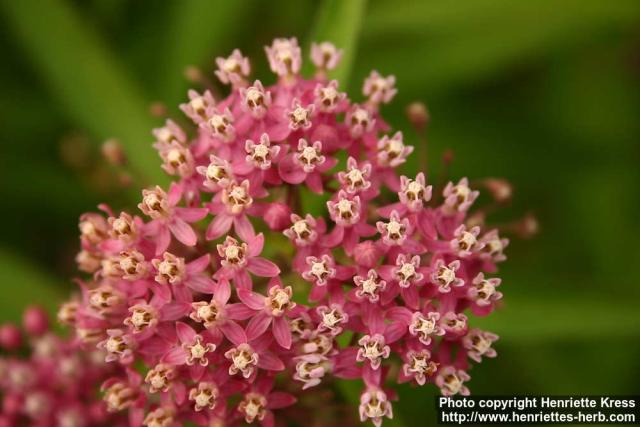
(282,332)
(233,332)
(270,362)
(198,265)
(279,399)
(258,325)
(163,239)
(222,291)
(201,283)
(251,299)
(262,267)
(175,356)
(238,311)
(183,232)
(243,228)
(255,245)
(219,226)
(191,214)
(186,334)
(174,311)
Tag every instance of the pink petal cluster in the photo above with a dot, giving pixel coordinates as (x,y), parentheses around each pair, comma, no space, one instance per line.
(184,290)
(45,380)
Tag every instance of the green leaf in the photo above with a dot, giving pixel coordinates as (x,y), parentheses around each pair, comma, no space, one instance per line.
(85,78)
(339,22)
(23,284)
(200,31)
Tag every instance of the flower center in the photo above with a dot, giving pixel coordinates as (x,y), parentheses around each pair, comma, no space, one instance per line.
(171,270)
(198,351)
(159,378)
(154,203)
(204,396)
(253,406)
(236,197)
(279,300)
(243,359)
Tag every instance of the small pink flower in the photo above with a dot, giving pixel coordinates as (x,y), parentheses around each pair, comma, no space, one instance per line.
(459,197)
(261,155)
(118,345)
(233,69)
(270,310)
(419,366)
(320,270)
(217,175)
(374,406)
(465,241)
(256,100)
(359,120)
(483,291)
(238,257)
(327,98)
(169,134)
(198,105)
(373,349)
(379,89)
(284,57)
(445,275)
(391,151)
(478,344)
(325,56)
(167,218)
(451,381)
(414,193)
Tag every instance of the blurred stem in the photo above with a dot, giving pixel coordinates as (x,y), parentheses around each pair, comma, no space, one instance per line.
(85,78)
(339,22)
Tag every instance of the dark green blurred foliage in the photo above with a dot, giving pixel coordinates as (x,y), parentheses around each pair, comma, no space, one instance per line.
(544,93)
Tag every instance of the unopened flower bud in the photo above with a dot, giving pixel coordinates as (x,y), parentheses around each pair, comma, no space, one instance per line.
(418,114)
(277,216)
(500,189)
(10,338)
(35,321)
(113,153)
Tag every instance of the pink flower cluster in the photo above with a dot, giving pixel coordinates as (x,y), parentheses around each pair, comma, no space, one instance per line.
(183,290)
(45,380)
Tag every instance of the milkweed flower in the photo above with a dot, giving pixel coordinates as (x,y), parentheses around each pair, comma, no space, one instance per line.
(203,292)
(47,380)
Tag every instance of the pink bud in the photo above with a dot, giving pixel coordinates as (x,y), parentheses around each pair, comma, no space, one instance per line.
(35,321)
(11,404)
(277,216)
(10,338)
(367,253)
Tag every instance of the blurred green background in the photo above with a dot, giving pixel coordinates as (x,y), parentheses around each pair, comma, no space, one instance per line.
(544,93)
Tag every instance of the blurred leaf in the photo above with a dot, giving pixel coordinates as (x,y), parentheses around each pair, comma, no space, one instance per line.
(23,285)
(339,22)
(87,80)
(560,317)
(452,44)
(200,30)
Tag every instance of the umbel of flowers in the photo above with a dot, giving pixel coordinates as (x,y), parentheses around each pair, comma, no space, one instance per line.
(46,380)
(206,328)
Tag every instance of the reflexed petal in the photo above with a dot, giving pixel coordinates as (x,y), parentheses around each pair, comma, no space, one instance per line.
(282,332)
(186,334)
(262,267)
(258,325)
(280,399)
(183,232)
(219,226)
(233,332)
